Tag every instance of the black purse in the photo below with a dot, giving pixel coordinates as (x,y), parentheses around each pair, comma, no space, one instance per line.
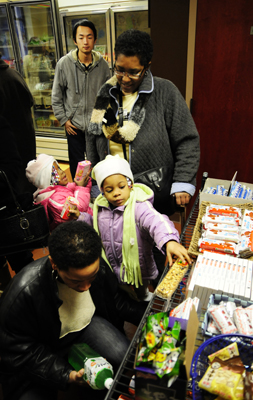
(159,180)
(23,225)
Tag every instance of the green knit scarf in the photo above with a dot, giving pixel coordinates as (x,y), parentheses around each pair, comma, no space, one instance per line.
(130,253)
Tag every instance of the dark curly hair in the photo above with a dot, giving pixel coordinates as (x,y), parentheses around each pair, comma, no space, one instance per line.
(74,244)
(135,43)
(84,22)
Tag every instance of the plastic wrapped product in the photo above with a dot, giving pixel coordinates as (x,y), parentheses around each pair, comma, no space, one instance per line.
(219,209)
(222,319)
(222,378)
(221,235)
(219,246)
(249,311)
(222,227)
(213,328)
(226,353)
(220,219)
(242,321)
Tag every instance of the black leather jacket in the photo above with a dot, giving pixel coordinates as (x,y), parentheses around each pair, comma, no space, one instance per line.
(30,325)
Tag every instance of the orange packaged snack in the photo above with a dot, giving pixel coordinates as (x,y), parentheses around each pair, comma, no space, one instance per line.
(69,204)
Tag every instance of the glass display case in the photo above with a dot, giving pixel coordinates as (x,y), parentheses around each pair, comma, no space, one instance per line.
(34,28)
(110,21)
(29,42)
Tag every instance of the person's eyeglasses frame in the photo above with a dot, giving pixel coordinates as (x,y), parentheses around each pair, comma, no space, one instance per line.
(127,74)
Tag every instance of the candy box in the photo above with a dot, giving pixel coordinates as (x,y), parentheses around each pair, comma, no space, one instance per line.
(148,385)
(82,169)
(69,204)
(217,198)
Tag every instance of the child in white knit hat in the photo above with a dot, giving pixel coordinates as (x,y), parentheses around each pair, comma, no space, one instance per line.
(129,226)
(53,188)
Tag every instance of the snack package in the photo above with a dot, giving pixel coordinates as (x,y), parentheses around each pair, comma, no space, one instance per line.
(152,336)
(82,169)
(222,319)
(218,246)
(247,222)
(221,235)
(242,321)
(220,219)
(213,328)
(221,227)
(249,310)
(167,355)
(155,329)
(70,203)
(172,279)
(226,353)
(219,209)
(222,378)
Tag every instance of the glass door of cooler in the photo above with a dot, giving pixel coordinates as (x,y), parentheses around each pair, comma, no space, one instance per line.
(100,18)
(6,39)
(129,15)
(35,27)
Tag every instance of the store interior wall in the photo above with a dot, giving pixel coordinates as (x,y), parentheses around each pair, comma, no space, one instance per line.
(222,88)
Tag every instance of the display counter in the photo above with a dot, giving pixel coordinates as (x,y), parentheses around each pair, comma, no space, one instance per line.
(126,371)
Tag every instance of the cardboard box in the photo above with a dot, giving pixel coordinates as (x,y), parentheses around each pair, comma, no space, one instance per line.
(147,382)
(215,198)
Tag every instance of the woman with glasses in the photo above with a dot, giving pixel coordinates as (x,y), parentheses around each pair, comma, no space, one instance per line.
(144,119)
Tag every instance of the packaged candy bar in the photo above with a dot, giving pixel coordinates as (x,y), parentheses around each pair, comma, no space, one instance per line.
(83,167)
(213,328)
(222,227)
(218,246)
(219,189)
(220,219)
(222,319)
(242,321)
(249,311)
(223,378)
(221,235)
(247,221)
(219,209)
(226,353)
(230,307)
(235,190)
(246,244)
(70,203)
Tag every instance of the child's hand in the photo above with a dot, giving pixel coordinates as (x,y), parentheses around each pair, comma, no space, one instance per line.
(74,213)
(84,180)
(173,247)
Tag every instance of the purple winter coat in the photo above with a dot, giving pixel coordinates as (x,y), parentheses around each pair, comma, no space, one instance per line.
(151,228)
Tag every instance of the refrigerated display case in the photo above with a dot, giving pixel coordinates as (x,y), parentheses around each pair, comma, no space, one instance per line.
(30,42)
(110,19)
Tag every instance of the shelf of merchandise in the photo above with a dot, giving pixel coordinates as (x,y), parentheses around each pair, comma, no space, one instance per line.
(126,370)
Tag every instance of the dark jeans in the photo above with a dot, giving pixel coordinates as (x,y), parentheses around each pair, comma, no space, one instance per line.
(76,149)
(101,336)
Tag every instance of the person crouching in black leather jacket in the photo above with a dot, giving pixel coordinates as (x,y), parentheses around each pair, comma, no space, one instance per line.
(65,298)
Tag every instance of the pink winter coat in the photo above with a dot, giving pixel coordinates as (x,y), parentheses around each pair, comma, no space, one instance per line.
(54,197)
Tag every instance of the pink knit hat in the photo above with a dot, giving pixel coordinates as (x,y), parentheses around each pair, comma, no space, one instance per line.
(39,171)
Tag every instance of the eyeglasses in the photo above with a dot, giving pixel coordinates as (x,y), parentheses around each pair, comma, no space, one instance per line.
(124,73)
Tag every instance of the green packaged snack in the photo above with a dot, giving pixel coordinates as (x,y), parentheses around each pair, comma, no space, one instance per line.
(155,329)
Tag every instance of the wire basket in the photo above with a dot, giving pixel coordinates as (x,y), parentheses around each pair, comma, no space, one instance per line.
(200,359)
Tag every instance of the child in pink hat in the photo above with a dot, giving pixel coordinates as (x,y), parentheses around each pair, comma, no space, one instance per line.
(53,189)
